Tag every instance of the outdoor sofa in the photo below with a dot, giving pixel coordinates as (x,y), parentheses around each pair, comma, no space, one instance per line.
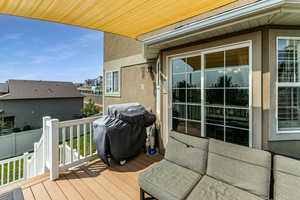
(207,169)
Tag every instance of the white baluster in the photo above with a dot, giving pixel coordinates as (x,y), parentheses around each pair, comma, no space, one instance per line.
(84,140)
(78,141)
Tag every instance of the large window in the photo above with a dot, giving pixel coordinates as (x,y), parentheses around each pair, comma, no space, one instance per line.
(222,80)
(288,85)
(112,82)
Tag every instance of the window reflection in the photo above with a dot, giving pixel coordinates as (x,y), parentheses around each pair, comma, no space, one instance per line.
(215,115)
(288,108)
(179,111)
(179,125)
(194,80)
(194,63)
(194,128)
(237,97)
(237,136)
(216,132)
(214,97)
(179,66)
(194,96)
(194,112)
(179,80)
(237,118)
(179,96)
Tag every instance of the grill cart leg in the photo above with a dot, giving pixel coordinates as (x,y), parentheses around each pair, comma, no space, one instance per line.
(142,194)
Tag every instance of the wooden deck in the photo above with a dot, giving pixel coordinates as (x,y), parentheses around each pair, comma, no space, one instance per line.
(90,181)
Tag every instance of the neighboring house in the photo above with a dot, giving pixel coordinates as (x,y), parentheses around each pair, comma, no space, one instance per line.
(94,82)
(27,102)
(232,73)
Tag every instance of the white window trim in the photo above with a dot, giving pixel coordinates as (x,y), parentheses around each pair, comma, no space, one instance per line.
(119,83)
(201,53)
(286,134)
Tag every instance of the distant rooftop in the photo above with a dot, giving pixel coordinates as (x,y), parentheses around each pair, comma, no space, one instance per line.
(3,88)
(27,89)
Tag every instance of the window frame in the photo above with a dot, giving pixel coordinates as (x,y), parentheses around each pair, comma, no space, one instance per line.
(113,93)
(283,85)
(202,53)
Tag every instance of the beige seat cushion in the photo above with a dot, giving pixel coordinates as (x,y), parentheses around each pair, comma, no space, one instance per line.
(286,178)
(211,189)
(168,181)
(187,151)
(245,168)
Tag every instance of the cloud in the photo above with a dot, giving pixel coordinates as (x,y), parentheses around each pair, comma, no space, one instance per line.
(92,36)
(13,36)
(42,59)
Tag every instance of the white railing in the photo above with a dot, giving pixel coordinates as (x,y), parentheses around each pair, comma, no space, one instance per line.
(14,169)
(69,143)
(63,145)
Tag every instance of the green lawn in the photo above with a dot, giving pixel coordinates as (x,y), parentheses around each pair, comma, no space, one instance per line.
(82,144)
(11,170)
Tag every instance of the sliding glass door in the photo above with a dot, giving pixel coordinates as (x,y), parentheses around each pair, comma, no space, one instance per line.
(221,79)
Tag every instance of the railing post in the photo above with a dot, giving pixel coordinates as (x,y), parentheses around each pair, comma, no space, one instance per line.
(25,166)
(54,149)
(45,141)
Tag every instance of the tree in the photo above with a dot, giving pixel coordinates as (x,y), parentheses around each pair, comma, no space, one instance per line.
(90,109)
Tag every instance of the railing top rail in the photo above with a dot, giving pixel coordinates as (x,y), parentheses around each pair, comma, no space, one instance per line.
(15,158)
(78,121)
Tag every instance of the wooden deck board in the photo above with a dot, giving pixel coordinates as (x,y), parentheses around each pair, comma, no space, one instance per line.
(91,181)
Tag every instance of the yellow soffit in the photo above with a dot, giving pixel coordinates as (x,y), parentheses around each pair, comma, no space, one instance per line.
(130,18)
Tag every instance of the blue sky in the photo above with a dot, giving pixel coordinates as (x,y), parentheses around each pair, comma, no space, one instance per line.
(39,50)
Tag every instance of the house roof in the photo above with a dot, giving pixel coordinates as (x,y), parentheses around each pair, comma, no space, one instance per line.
(3,88)
(128,18)
(27,89)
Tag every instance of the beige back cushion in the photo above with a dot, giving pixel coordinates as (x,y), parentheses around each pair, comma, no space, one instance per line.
(246,168)
(286,178)
(187,151)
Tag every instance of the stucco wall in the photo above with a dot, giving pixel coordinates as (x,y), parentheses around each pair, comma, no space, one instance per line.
(31,112)
(256,39)
(137,85)
(136,73)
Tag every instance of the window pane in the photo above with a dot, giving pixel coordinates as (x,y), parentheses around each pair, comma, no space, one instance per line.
(194,63)
(215,115)
(194,80)
(179,125)
(216,132)
(237,77)
(214,60)
(238,118)
(179,95)
(179,80)
(116,81)
(288,108)
(214,78)
(179,66)
(237,57)
(194,128)
(108,82)
(237,97)
(286,61)
(214,97)
(194,112)
(237,136)
(179,111)
(194,96)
